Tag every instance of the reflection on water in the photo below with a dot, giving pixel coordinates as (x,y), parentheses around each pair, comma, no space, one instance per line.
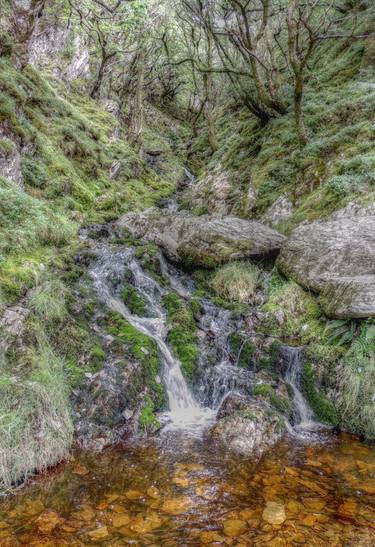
(178,490)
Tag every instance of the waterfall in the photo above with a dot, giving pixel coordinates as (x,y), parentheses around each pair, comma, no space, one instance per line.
(303,415)
(107,272)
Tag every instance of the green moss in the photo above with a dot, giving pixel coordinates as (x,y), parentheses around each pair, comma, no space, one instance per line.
(183,334)
(147,420)
(293,313)
(323,409)
(242,349)
(281,404)
(134,301)
(145,351)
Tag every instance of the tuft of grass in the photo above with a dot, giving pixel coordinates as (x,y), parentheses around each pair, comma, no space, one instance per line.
(355,384)
(35,426)
(236,282)
(48,301)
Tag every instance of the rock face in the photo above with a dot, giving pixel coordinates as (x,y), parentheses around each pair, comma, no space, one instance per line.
(10,159)
(203,241)
(281,209)
(335,258)
(245,427)
(211,193)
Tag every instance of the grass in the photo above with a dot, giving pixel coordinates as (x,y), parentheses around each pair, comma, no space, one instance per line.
(236,282)
(134,301)
(36,427)
(355,384)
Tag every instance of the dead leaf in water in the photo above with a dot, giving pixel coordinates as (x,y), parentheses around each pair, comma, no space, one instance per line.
(176,506)
(80,470)
(47,522)
(99,533)
(234,527)
(120,520)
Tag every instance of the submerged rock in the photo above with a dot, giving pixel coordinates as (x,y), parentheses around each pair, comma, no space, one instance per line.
(246,427)
(336,258)
(203,241)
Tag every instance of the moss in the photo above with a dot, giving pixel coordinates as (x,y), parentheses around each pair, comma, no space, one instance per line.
(147,420)
(145,351)
(183,334)
(242,349)
(323,409)
(134,301)
(281,404)
(292,313)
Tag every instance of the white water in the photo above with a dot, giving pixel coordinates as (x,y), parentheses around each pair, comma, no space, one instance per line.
(304,420)
(184,412)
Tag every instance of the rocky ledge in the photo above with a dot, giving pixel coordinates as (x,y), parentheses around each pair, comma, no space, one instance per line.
(336,259)
(203,241)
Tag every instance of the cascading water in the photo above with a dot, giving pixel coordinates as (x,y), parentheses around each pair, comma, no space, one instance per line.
(184,411)
(303,415)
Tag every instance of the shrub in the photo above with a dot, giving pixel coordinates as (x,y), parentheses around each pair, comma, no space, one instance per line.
(236,282)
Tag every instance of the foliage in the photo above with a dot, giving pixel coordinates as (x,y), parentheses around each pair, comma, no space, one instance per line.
(355,384)
(147,420)
(236,282)
(323,409)
(134,301)
(281,404)
(36,427)
(341,331)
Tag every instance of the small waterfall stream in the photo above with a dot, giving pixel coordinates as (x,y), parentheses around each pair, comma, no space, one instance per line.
(184,411)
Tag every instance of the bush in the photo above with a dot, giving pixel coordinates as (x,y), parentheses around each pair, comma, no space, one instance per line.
(236,282)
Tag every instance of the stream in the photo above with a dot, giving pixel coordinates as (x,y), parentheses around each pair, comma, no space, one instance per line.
(176,488)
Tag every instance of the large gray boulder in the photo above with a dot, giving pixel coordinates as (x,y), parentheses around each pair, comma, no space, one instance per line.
(203,241)
(246,427)
(335,258)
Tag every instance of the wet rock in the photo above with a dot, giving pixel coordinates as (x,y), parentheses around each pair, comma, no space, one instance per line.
(105,407)
(335,258)
(99,533)
(234,527)
(203,241)
(246,428)
(274,513)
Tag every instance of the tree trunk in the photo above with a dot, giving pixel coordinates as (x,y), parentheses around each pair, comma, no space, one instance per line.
(298,110)
(136,123)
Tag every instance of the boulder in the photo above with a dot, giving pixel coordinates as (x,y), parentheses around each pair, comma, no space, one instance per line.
(246,427)
(345,297)
(203,241)
(335,258)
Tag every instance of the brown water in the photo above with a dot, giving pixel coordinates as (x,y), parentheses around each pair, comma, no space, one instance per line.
(180,491)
